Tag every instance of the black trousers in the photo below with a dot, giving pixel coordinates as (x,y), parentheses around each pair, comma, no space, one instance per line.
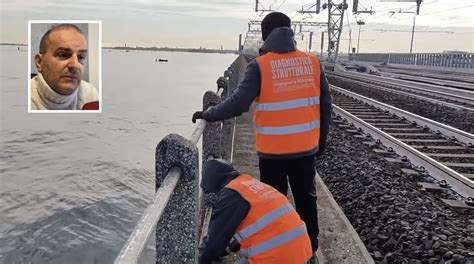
(300,173)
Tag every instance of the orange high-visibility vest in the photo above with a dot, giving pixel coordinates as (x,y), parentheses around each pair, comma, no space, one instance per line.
(287,113)
(272,231)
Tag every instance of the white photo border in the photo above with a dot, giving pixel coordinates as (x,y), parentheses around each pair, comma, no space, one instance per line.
(30,22)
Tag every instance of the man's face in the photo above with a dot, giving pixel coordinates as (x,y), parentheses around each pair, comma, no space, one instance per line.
(62,64)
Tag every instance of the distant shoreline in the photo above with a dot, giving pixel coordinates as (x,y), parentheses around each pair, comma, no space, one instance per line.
(13,44)
(200,50)
(196,50)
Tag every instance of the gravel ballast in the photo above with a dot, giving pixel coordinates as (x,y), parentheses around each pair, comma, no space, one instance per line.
(397,222)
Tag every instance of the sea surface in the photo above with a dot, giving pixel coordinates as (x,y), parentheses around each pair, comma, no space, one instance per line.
(72,186)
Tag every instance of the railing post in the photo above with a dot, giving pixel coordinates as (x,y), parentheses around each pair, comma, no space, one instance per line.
(212,136)
(228,124)
(176,240)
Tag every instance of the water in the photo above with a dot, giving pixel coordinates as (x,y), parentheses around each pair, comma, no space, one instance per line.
(72,186)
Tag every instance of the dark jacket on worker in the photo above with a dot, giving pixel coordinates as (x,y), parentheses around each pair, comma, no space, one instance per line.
(228,211)
(280,40)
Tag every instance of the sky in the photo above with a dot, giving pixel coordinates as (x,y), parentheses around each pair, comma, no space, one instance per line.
(212,23)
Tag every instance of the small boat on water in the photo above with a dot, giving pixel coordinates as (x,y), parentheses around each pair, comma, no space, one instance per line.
(162,60)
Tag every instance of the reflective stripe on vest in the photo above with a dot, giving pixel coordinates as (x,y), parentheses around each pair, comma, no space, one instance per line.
(263,222)
(290,104)
(284,130)
(275,242)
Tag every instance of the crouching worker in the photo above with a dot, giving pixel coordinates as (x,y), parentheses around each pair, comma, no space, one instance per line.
(255,214)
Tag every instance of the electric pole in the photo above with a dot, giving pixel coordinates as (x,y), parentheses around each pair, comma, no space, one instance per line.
(360,23)
(260,8)
(413,28)
(335,24)
(322,44)
(335,20)
(350,43)
(412,32)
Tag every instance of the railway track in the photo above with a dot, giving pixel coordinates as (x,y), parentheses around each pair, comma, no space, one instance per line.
(430,80)
(456,77)
(445,152)
(453,98)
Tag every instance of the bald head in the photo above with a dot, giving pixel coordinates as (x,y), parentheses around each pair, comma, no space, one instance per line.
(45,41)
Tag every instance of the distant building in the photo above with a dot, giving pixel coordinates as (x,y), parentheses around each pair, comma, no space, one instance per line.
(455,52)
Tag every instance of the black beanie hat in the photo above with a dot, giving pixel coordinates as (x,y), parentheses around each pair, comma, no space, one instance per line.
(272,21)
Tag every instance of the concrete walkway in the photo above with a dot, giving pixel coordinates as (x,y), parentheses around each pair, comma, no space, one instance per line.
(339,243)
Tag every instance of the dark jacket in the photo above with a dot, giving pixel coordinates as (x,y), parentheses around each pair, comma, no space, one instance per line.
(280,40)
(228,211)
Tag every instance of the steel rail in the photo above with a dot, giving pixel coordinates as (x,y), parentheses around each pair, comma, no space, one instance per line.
(462,136)
(454,86)
(462,77)
(461,96)
(435,101)
(460,184)
(423,87)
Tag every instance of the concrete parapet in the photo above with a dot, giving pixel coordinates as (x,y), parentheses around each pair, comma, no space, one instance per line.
(212,136)
(176,238)
(449,59)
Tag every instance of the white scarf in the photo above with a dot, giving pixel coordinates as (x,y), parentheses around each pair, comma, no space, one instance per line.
(43,97)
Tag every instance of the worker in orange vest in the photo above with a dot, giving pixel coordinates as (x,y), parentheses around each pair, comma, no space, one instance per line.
(291,116)
(256,215)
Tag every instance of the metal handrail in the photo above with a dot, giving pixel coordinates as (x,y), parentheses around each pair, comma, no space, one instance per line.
(135,245)
(208,213)
(133,248)
(137,242)
(201,125)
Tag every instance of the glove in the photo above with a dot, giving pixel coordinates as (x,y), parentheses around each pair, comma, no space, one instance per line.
(197,115)
(233,246)
(221,82)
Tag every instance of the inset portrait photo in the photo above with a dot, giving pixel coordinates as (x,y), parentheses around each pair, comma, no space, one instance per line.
(64,67)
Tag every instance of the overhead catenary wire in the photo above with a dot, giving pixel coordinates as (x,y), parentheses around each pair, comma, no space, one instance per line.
(438,35)
(382,18)
(418,31)
(350,33)
(446,10)
(370,19)
(282,3)
(424,4)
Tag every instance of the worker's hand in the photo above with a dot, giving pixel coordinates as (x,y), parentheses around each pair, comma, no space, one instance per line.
(197,115)
(221,82)
(233,246)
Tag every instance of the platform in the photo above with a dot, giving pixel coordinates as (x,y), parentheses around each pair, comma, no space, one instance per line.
(339,242)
